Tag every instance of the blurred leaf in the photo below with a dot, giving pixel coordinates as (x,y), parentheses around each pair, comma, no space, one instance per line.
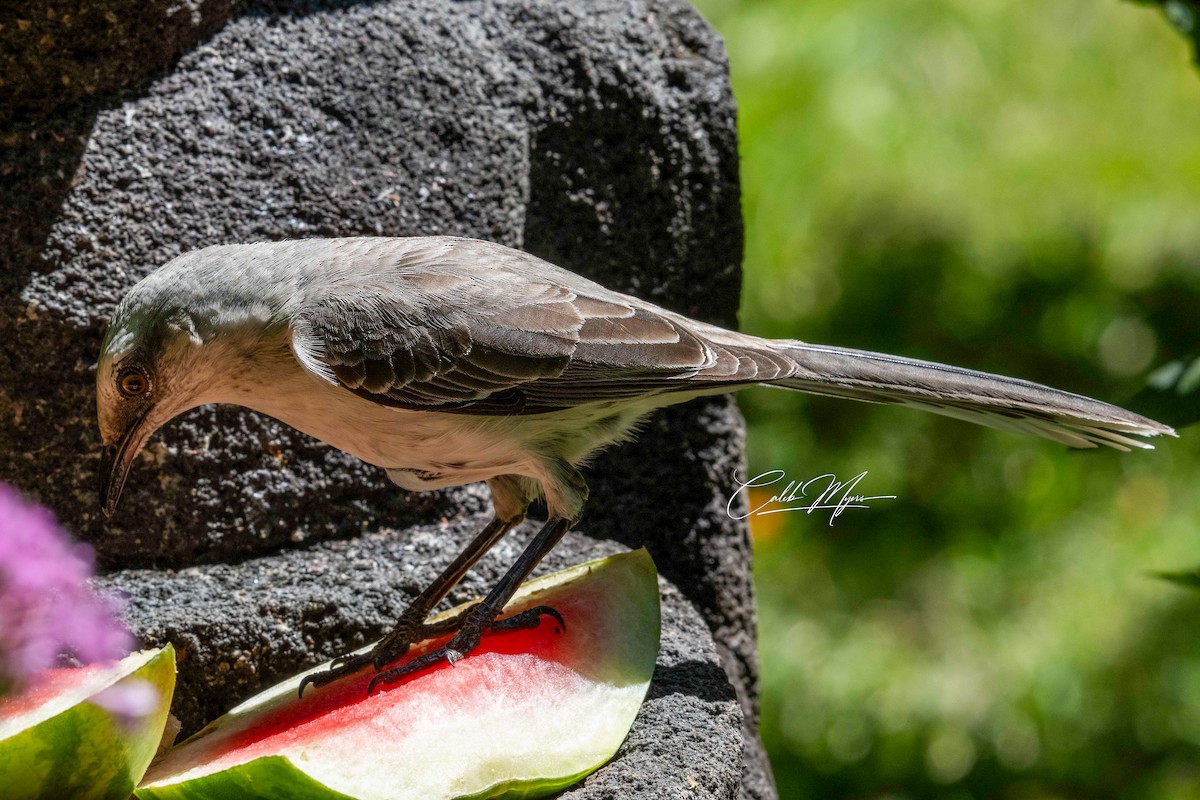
(1172,393)
(1184,15)
(1189,578)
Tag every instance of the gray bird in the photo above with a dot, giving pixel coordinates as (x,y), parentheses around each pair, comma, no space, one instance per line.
(447,361)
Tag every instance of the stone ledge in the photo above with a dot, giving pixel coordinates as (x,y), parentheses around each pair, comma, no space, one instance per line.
(240,628)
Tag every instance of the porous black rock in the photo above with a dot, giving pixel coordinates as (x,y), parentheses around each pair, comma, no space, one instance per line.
(600,135)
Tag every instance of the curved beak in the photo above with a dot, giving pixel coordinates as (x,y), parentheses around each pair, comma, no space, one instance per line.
(115,461)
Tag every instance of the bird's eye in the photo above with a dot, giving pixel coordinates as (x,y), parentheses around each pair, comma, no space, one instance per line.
(133,382)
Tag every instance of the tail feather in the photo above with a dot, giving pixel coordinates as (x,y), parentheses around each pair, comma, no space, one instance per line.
(999,402)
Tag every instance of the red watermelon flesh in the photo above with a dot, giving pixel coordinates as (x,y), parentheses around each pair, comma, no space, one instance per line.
(527,712)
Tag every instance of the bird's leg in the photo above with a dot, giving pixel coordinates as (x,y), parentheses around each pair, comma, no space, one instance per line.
(411,627)
(482,616)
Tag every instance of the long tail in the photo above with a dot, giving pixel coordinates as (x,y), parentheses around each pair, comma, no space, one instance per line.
(1009,404)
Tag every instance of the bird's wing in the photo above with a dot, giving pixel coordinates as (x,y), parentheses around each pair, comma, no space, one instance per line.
(472,327)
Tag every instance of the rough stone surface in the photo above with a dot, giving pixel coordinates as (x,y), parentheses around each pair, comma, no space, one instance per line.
(597,134)
(59,51)
(241,629)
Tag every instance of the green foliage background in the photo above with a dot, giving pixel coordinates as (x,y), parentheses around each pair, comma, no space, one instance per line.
(1013,187)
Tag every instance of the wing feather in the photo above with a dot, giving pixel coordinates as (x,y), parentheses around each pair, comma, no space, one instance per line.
(472,327)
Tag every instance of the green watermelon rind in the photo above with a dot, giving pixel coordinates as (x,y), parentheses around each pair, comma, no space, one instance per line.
(279,777)
(528,789)
(269,776)
(83,752)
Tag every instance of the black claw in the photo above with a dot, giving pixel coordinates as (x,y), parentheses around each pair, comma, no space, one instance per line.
(416,665)
(377,680)
(467,640)
(562,623)
(391,648)
(341,666)
(529,618)
(317,679)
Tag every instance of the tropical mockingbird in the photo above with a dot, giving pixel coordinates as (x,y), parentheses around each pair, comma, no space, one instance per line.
(447,361)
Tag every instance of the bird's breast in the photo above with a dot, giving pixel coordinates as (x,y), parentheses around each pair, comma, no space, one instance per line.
(424,450)
(420,449)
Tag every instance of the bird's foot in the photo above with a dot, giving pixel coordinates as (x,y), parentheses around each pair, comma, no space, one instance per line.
(466,640)
(409,630)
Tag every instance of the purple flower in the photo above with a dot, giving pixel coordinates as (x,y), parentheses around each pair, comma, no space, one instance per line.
(45,606)
(128,701)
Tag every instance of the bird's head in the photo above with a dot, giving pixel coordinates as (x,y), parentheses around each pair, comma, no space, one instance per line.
(204,328)
(153,366)
(177,342)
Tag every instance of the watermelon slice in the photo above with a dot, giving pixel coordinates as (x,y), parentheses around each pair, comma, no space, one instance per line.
(527,713)
(60,738)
